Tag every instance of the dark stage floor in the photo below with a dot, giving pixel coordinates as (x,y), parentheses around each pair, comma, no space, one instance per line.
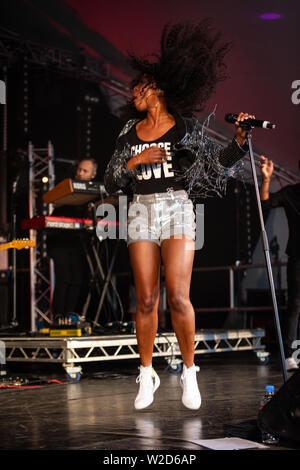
(97,412)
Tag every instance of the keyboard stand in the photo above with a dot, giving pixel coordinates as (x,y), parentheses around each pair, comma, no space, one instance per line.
(99,279)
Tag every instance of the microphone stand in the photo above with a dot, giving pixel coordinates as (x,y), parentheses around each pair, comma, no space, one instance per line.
(267,255)
(13,234)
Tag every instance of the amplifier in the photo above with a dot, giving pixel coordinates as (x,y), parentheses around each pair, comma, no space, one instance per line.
(75,329)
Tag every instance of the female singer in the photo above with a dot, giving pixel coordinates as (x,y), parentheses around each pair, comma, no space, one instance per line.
(163,156)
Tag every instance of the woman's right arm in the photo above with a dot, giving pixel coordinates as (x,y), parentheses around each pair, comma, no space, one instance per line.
(117,174)
(122,168)
(149,155)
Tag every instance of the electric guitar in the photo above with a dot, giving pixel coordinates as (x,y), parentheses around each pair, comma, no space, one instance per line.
(18,244)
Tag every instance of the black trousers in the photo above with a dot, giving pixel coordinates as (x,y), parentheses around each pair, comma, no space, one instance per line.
(71,277)
(290,321)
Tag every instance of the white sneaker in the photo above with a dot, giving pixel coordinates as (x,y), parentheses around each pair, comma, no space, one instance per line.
(149,383)
(291,364)
(191,397)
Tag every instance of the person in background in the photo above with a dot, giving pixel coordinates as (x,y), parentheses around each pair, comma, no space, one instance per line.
(66,249)
(288,198)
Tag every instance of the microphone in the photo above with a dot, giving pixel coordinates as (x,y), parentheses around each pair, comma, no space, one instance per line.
(232,118)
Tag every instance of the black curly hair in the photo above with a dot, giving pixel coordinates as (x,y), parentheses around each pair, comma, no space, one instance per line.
(188,68)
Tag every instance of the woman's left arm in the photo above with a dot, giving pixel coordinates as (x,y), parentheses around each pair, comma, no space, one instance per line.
(239,146)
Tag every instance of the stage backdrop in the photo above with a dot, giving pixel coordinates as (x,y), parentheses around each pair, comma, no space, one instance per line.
(263,63)
(264,78)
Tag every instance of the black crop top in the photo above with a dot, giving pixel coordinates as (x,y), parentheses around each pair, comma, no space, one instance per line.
(155,177)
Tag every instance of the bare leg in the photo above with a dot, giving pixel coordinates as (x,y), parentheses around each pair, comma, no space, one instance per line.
(178,265)
(145,261)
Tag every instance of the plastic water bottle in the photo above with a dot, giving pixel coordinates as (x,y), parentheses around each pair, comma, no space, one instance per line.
(268,438)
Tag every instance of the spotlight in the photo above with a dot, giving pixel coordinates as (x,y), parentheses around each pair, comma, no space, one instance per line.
(270,16)
(45,179)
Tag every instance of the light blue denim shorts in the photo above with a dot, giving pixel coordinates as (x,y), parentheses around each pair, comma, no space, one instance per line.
(160,216)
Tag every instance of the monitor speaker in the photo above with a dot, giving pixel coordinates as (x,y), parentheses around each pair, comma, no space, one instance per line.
(281,415)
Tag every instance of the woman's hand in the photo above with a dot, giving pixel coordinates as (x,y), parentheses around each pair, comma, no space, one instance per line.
(241,131)
(267,168)
(153,154)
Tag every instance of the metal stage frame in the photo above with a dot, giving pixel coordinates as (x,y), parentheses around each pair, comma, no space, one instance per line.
(41,270)
(70,352)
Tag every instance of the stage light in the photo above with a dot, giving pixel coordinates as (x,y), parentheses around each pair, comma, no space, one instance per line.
(270,16)
(45,179)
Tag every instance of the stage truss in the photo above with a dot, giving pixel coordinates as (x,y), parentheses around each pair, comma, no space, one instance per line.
(41,270)
(70,352)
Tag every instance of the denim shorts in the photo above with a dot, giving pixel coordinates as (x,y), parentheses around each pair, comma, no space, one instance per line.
(160,216)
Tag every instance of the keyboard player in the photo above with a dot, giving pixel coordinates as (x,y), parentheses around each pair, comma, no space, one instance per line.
(66,248)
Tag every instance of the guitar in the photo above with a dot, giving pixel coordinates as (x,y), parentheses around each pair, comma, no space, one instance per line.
(18,244)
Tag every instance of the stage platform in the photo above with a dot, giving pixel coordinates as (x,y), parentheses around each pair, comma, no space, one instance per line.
(71,352)
(97,414)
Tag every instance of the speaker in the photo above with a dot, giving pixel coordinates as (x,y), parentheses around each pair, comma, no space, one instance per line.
(281,415)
